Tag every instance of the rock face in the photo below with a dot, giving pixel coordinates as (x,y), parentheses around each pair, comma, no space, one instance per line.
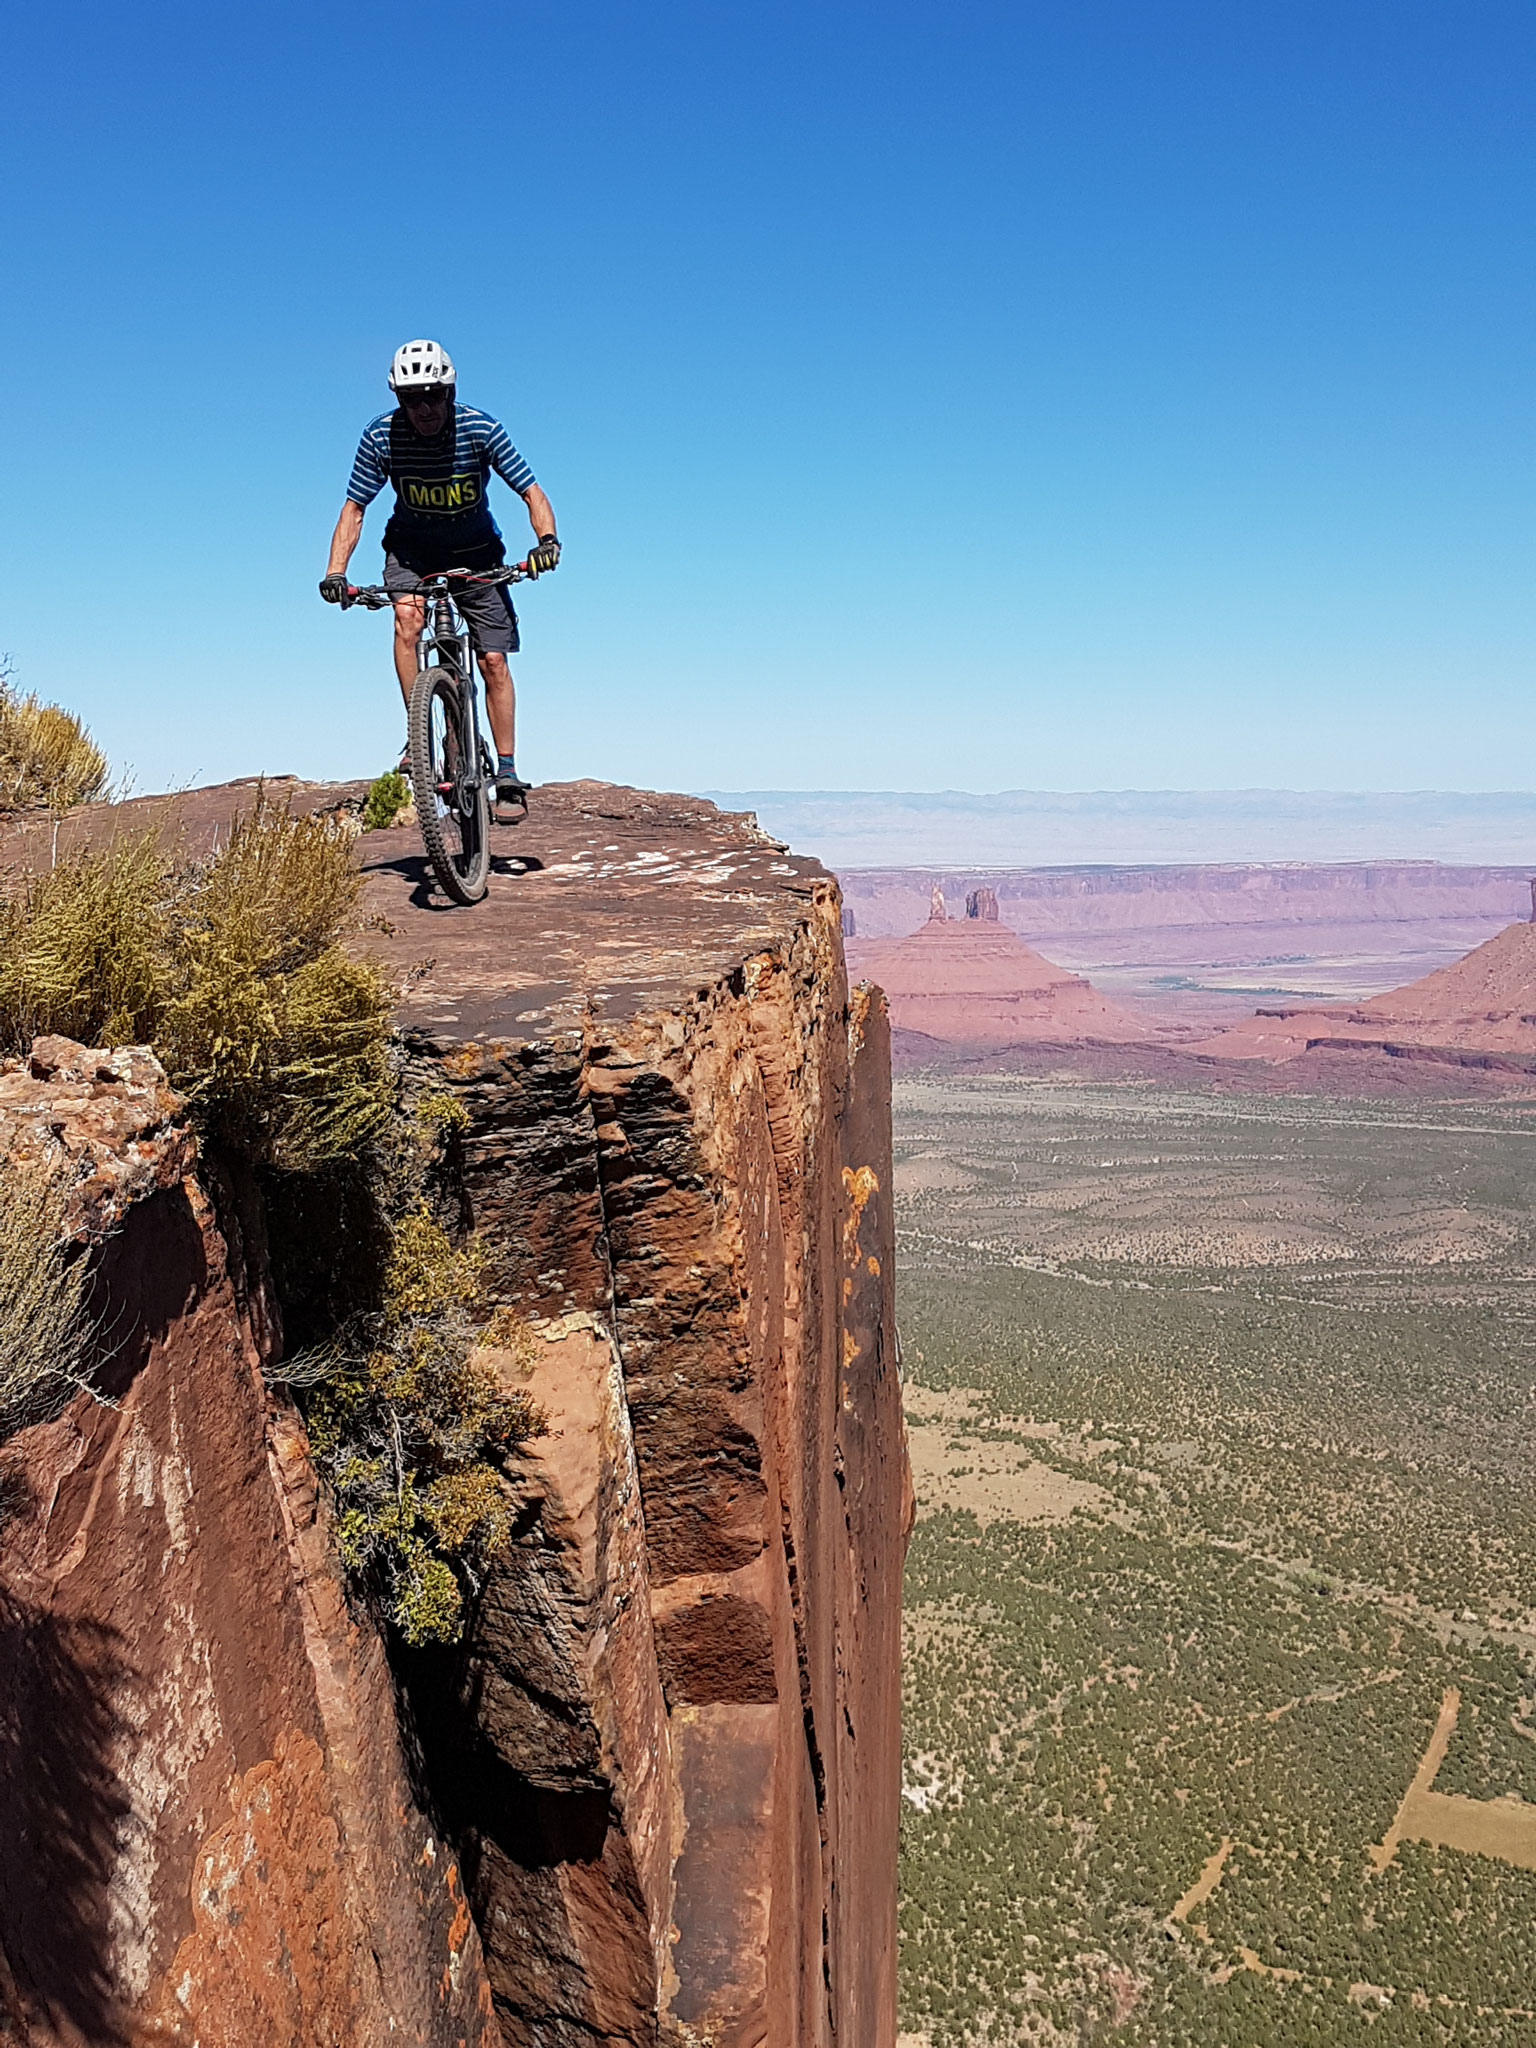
(106,1123)
(209,1836)
(1484,1004)
(669,1747)
(653,1793)
(973,983)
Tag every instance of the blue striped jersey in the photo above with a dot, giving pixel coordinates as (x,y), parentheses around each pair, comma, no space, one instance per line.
(440,484)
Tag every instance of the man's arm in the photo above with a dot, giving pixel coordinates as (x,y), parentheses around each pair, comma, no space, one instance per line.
(349,530)
(370,473)
(541,514)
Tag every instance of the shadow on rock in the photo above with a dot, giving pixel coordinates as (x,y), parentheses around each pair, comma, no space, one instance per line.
(65,1820)
(147,1277)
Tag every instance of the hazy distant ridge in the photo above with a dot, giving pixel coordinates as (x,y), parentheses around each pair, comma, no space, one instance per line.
(1050,828)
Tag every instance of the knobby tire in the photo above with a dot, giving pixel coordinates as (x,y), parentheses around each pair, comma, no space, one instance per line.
(458,842)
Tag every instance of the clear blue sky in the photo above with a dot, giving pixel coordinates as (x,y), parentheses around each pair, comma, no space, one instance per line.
(1101,394)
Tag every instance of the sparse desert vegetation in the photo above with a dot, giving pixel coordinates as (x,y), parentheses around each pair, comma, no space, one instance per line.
(406,1416)
(48,761)
(233,968)
(1155,1732)
(45,1324)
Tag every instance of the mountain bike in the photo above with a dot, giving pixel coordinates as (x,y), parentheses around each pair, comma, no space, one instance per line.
(452,767)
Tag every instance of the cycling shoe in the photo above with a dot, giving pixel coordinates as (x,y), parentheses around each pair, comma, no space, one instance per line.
(509,799)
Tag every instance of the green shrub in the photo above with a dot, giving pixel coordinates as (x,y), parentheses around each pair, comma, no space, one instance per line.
(405,1424)
(47,758)
(388,796)
(443,1115)
(45,1326)
(231,968)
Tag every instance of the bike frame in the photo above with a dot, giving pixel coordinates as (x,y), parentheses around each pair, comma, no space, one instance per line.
(452,777)
(445,634)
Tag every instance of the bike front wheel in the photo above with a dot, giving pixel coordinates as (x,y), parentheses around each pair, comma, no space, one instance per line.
(452,803)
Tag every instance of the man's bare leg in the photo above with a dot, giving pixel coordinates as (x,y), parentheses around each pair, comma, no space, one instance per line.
(500,701)
(409,612)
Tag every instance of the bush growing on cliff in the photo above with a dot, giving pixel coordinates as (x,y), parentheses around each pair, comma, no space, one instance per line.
(275,1033)
(232,968)
(47,758)
(388,795)
(86,946)
(405,1422)
(45,1325)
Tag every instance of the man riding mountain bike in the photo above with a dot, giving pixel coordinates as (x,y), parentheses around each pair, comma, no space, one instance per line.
(439,455)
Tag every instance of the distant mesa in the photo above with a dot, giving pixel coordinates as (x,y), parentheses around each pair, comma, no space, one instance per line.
(1484,1003)
(972,982)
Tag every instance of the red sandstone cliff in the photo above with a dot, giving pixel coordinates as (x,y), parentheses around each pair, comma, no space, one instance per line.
(207,1827)
(654,1791)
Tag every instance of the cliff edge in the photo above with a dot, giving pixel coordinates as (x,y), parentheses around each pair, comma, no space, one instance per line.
(660,1771)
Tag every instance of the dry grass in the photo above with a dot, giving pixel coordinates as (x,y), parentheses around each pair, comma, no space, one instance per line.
(273,1031)
(231,968)
(86,947)
(45,1328)
(47,758)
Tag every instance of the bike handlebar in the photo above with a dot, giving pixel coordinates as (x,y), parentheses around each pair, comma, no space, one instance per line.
(374,596)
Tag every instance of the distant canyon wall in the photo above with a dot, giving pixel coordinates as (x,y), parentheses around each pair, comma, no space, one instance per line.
(1077,903)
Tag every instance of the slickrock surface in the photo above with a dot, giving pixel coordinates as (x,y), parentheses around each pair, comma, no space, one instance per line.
(208,1833)
(670,1747)
(195,820)
(971,982)
(666,1756)
(1484,1004)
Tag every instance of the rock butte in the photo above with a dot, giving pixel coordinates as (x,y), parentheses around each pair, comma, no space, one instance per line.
(1484,1004)
(973,983)
(652,1797)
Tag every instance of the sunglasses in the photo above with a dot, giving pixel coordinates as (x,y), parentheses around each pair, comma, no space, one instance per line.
(417,399)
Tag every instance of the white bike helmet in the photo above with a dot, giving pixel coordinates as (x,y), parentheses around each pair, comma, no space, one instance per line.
(419,365)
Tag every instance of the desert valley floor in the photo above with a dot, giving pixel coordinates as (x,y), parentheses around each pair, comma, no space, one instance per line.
(1220,1716)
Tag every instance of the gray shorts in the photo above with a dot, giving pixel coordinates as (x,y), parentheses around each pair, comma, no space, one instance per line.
(486,608)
